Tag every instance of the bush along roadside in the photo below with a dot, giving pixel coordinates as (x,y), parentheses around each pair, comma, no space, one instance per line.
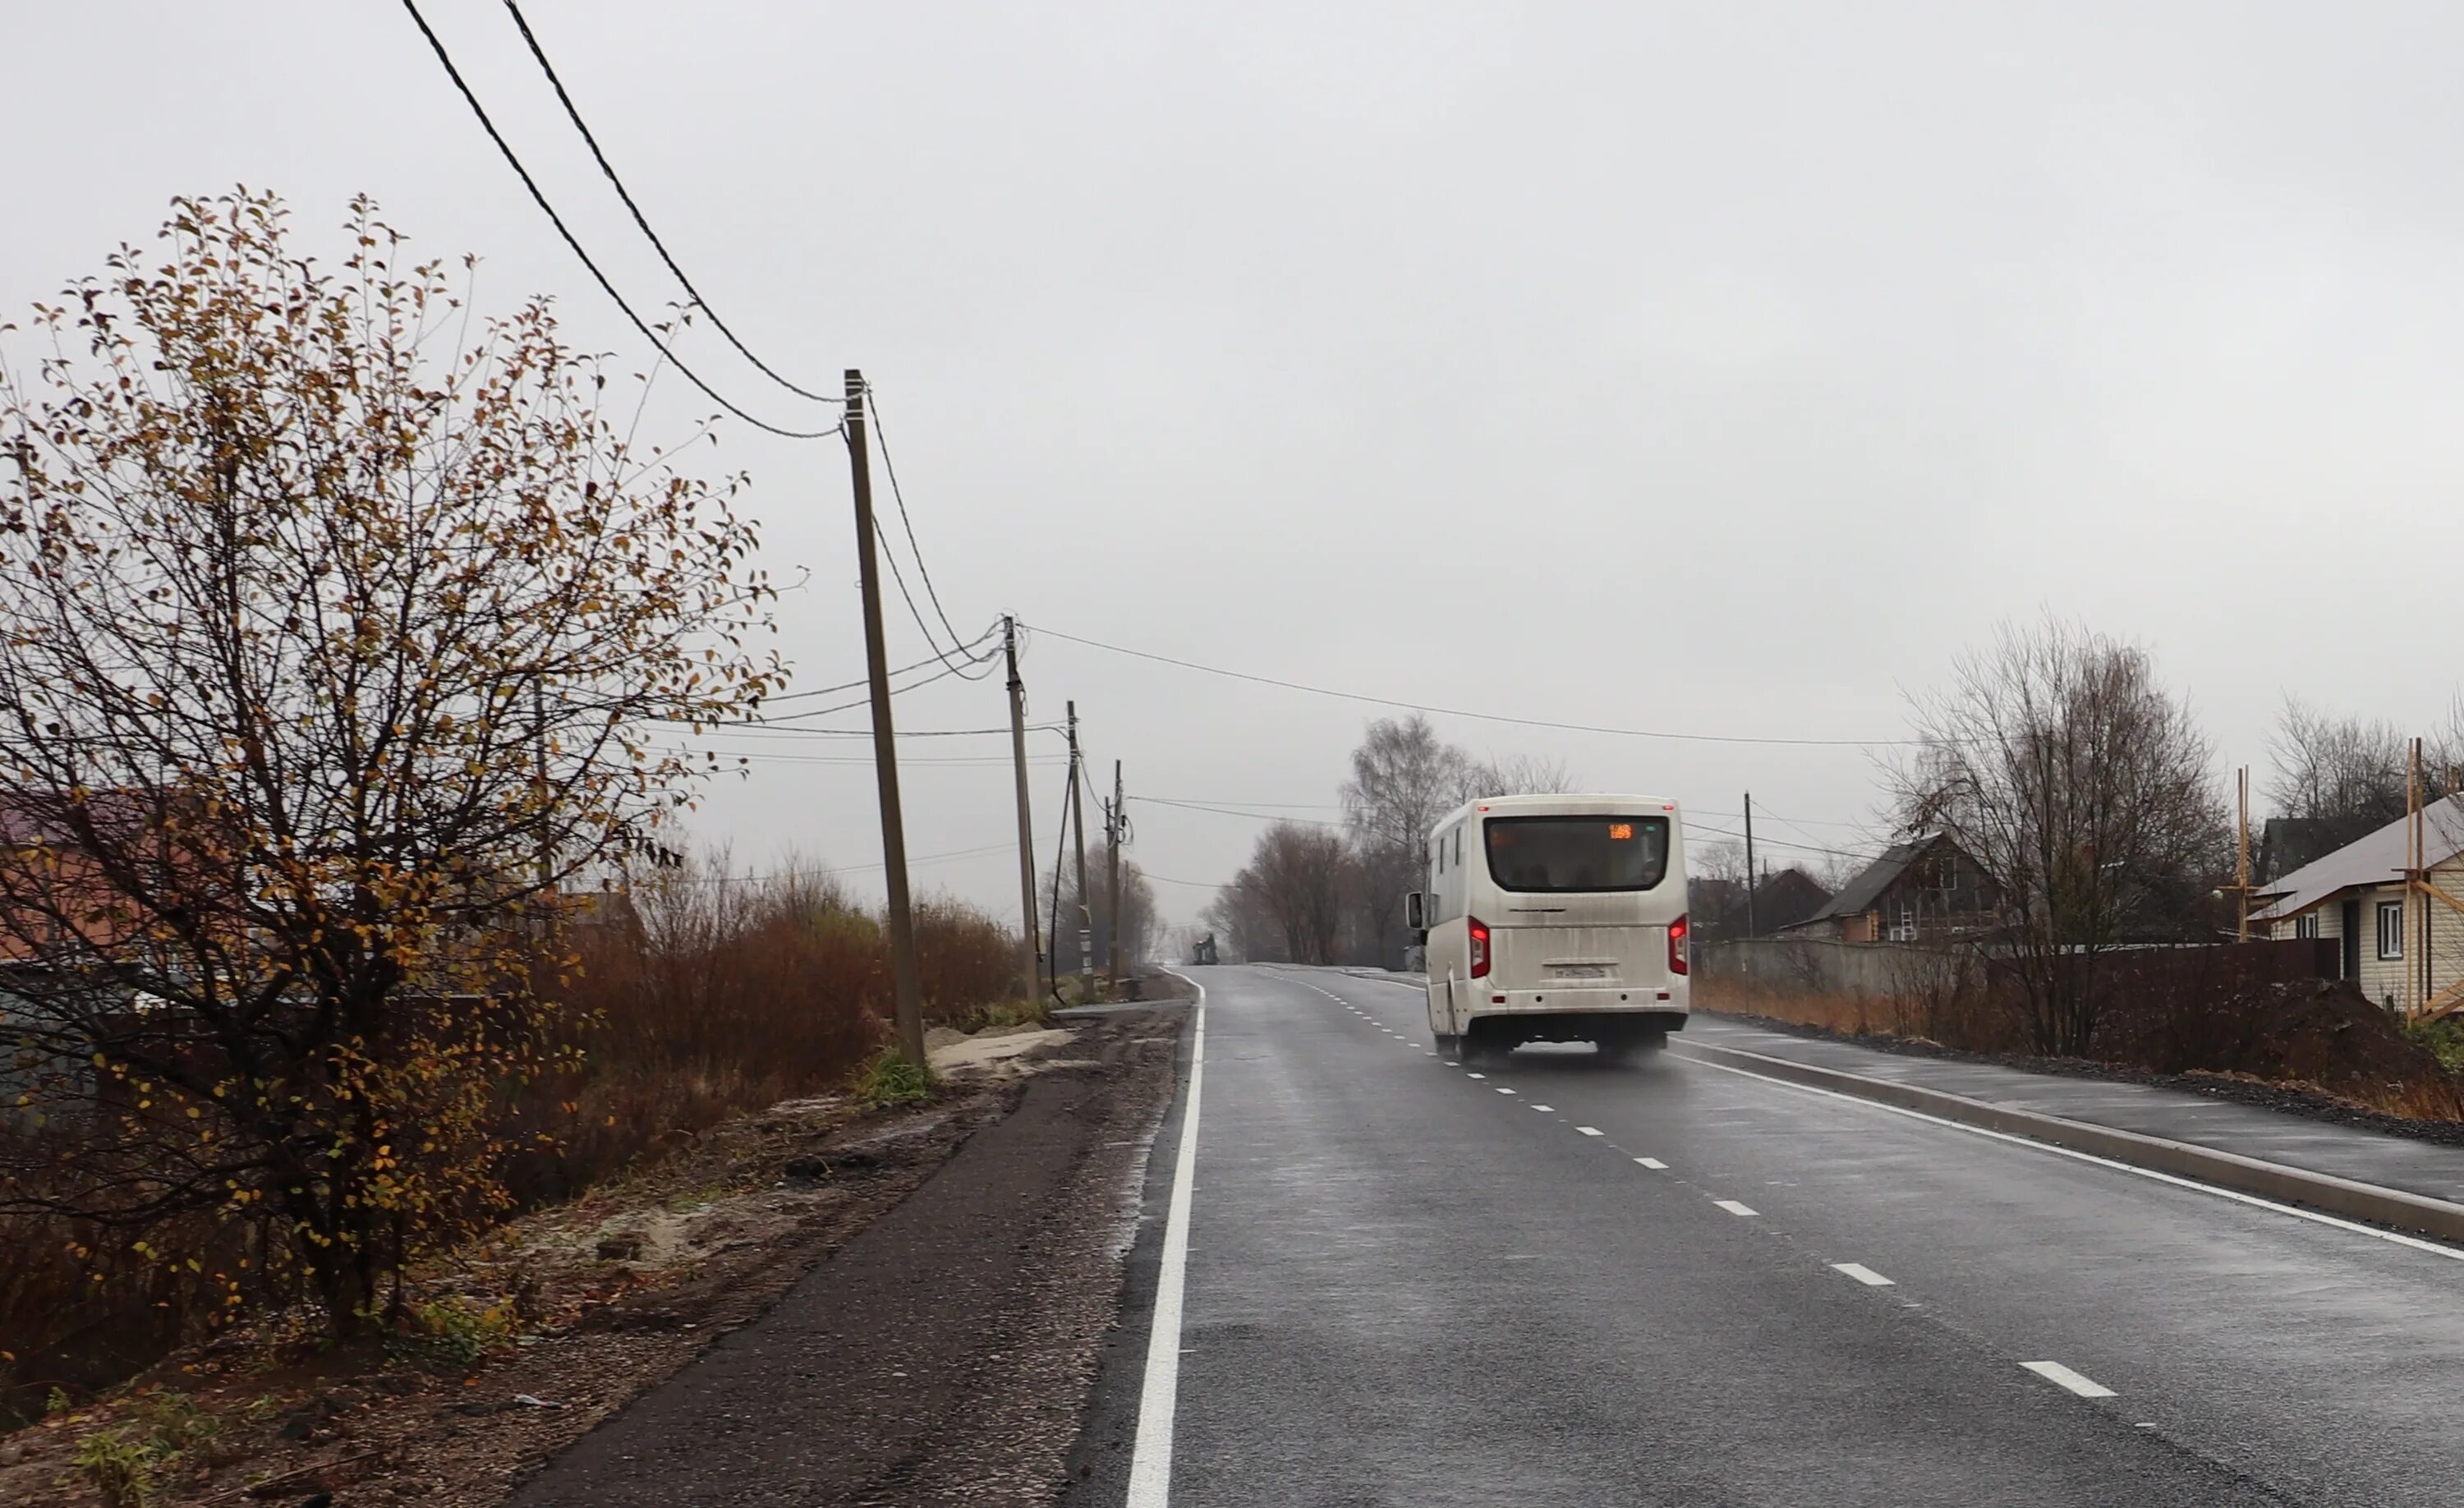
(515,1342)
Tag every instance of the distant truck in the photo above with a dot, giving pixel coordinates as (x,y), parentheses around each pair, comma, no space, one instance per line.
(1554,918)
(1204,951)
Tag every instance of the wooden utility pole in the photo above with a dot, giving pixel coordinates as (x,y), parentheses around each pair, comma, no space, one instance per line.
(1115,831)
(904,979)
(1750,863)
(1078,820)
(1030,945)
(2416,861)
(2242,860)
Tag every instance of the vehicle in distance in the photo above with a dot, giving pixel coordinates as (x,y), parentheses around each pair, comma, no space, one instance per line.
(1554,918)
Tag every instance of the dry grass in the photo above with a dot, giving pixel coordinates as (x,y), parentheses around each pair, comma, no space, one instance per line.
(710,997)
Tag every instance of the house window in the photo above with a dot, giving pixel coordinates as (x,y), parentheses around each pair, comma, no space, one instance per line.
(2390,928)
(1904,923)
(2306,924)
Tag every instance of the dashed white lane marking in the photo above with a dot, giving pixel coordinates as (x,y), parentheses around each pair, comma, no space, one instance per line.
(2397,1238)
(1550,1110)
(2056,1372)
(1502,1089)
(1589,1130)
(1653,1162)
(1477,1076)
(1732,1207)
(1862,1273)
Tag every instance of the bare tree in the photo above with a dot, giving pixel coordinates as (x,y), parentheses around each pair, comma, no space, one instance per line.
(2087,794)
(1138,917)
(328,657)
(2337,770)
(1287,901)
(1517,774)
(1403,778)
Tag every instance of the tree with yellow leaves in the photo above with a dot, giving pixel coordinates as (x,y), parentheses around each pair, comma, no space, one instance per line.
(337,639)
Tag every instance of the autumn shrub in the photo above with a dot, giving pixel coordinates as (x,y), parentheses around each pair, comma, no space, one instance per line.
(702,993)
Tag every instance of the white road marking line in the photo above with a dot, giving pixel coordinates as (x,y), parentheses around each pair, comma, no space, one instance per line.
(1547,1109)
(1589,1130)
(2056,1373)
(2398,1237)
(1862,1273)
(1653,1162)
(1151,1456)
(1732,1207)
(1502,1089)
(1478,1075)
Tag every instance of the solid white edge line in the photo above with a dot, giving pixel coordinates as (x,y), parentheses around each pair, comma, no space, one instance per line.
(1862,1273)
(1733,1206)
(2056,1372)
(2398,1237)
(1151,1458)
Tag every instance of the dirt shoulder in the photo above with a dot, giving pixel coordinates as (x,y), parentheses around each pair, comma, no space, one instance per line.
(811,1304)
(2292,1098)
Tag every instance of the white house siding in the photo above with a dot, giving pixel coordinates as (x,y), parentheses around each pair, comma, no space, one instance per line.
(2387,980)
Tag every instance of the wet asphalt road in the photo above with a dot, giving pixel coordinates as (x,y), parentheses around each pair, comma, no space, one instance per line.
(1407,1285)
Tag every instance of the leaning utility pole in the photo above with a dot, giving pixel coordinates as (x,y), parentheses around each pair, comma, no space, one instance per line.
(1115,829)
(1030,946)
(1078,820)
(1750,863)
(904,981)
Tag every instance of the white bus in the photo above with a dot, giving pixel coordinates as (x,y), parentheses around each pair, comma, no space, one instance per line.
(1555,919)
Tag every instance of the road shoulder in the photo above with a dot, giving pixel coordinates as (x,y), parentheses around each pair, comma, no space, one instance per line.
(945,1354)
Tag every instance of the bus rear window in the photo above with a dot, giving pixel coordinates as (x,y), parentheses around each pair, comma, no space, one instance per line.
(1543,854)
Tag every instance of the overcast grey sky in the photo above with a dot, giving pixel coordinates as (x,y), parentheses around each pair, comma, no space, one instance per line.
(1716,368)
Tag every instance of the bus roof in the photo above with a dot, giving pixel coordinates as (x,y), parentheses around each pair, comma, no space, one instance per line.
(1573,803)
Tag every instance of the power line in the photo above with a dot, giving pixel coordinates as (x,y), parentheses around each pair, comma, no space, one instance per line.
(764,756)
(1292,806)
(763,730)
(1782,842)
(1225,810)
(849,686)
(1490,717)
(656,881)
(819,712)
(882,438)
(574,113)
(538,197)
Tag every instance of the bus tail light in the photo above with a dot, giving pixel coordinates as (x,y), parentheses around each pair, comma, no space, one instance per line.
(1677,931)
(1479,948)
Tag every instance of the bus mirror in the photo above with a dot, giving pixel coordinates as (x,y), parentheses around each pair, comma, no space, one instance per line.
(1416,910)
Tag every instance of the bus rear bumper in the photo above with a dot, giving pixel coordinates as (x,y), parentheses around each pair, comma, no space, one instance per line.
(1577,1016)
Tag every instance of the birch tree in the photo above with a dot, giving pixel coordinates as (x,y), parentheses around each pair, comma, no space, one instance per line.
(337,639)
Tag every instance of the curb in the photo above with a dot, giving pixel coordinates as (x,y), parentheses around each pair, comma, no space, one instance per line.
(2323,1192)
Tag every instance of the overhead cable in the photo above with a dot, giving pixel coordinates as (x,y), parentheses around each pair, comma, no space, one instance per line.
(538,197)
(1488,718)
(890,468)
(574,113)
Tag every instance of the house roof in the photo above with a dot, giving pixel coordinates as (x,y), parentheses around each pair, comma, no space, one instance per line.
(2288,843)
(1791,889)
(1858,895)
(2375,860)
